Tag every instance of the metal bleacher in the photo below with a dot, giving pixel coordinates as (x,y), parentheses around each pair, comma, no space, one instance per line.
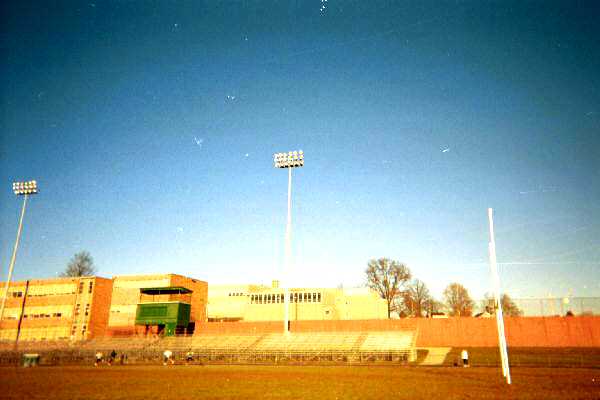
(308,342)
(390,344)
(228,344)
(352,347)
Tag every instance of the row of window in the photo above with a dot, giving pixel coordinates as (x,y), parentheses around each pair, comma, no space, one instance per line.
(52,315)
(34,334)
(236,294)
(74,330)
(33,316)
(42,291)
(20,294)
(279,298)
(78,309)
(90,287)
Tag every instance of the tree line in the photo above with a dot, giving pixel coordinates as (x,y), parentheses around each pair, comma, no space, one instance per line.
(392,280)
(408,297)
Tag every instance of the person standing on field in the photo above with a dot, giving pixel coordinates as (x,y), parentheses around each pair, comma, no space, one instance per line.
(189,356)
(167,357)
(112,357)
(465,358)
(98,358)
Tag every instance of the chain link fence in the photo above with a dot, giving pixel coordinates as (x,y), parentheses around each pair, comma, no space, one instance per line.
(552,306)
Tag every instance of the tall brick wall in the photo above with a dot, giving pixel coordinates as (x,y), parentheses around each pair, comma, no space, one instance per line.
(100,306)
(445,332)
(199,298)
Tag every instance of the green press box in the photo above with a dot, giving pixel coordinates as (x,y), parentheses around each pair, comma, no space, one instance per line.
(171,314)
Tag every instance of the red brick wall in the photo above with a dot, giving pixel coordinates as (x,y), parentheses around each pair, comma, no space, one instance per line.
(100,306)
(445,332)
(199,296)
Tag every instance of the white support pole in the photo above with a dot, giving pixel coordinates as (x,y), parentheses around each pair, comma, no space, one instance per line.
(288,254)
(13,258)
(498,304)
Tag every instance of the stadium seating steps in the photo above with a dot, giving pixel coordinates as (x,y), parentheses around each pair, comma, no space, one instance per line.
(347,343)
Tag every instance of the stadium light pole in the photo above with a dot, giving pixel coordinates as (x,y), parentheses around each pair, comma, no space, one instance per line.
(21,189)
(289,160)
(497,301)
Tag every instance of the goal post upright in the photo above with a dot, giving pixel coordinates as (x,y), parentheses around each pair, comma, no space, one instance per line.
(497,300)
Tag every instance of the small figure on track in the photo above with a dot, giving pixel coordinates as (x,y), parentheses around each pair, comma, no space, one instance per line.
(112,357)
(168,357)
(98,357)
(189,356)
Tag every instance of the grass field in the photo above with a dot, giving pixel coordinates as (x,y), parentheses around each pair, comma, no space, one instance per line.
(294,382)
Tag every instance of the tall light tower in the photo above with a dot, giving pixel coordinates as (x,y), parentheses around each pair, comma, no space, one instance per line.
(289,160)
(21,189)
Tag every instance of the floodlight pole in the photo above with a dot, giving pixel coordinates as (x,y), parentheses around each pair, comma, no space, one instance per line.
(13,258)
(288,254)
(498,306)
(289,160)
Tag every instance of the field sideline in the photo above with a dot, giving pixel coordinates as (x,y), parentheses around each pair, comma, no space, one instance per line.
(294,382)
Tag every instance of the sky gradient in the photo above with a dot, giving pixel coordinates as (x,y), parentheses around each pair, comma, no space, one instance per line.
(150,127)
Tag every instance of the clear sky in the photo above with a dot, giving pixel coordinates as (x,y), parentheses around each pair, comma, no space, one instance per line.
(150,127)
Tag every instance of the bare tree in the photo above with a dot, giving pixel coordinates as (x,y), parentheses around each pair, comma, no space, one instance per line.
(509,308)
(458,301)
(387,277)
(82,264)
(416,299)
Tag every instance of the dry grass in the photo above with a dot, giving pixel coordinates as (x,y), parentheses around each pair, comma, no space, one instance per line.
(294,382)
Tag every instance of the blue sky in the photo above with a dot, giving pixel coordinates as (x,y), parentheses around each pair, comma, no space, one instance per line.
(150,127)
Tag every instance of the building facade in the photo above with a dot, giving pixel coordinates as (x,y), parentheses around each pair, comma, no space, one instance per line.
(127,296)
(266,303)
(87,307)
(51,309)
(82,308)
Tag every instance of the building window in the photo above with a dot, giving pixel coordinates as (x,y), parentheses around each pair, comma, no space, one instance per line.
(319,297)
(90,287)
(80,287)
